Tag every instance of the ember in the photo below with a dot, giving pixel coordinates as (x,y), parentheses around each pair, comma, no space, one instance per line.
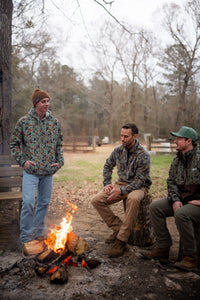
(51,271)
(84,263)
(69,261)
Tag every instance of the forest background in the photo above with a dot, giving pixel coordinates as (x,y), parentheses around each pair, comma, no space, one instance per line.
(135,76)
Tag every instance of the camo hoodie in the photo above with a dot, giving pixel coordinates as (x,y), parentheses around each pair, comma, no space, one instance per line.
(38,140)
(133,167)
(184,177)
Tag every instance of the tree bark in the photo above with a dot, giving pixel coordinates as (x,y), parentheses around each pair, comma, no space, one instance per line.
(142,233)
(6,8)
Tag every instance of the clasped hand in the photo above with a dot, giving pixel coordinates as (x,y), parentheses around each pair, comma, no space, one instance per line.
(176,205)
(112,191)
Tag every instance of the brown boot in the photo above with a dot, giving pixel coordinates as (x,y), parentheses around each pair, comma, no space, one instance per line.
(157,253)
(117,249)
(111,239)
(188,263)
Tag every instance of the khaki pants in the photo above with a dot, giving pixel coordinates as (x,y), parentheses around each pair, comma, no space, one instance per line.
(114,222)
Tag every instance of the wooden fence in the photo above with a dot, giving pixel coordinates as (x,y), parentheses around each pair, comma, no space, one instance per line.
(160,145)
(79,143)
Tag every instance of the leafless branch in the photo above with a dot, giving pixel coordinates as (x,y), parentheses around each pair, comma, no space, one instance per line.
(106,2)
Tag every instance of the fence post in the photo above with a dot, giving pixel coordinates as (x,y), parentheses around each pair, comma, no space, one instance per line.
(148,141)
(94,143)
(74,144)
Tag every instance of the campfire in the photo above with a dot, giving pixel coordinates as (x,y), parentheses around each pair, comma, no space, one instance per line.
(59,235)
(64,248)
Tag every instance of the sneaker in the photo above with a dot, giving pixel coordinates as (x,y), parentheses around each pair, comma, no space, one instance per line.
(117,249)
(112,238)
(188,263)
(33,248)
(157,253)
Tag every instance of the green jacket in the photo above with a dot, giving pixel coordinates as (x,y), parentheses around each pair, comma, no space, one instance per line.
(38,140)
(184,177)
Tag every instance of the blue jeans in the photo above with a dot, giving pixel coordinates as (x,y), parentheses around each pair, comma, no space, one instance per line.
(33,212)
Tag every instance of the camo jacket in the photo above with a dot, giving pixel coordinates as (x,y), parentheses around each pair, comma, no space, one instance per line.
(39,140)
(133,168)
(184,177)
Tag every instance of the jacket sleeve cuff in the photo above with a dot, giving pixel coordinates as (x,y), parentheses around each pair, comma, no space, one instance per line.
(123,191)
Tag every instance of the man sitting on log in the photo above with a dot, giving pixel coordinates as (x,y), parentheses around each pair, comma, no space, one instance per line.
(183,201)
(133,168)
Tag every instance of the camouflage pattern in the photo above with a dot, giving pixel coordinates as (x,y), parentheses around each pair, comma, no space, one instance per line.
(38,140)
(184,177)
(134,171)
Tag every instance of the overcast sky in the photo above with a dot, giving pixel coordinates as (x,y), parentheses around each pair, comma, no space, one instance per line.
(75,22)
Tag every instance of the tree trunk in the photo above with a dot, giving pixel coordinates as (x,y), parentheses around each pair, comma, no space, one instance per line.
(142,234)
(6,7)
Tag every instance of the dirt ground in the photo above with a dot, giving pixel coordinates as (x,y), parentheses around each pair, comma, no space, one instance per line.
(127,277)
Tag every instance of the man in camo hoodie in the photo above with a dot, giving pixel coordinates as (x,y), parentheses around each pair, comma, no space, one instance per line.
(183,201)
(36,144)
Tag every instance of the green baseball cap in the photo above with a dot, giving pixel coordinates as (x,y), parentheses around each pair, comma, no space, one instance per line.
(186,132)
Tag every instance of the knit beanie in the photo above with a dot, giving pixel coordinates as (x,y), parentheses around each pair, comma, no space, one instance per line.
(38,95)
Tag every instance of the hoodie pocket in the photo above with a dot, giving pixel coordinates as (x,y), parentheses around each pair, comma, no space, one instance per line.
(32,169)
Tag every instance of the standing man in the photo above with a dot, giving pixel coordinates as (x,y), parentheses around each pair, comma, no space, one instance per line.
(133,168)
(183,201)
(36,144)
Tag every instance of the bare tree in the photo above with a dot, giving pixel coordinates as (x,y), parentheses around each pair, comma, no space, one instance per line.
(106,57)
(133,52)
(183,57)
(146,76)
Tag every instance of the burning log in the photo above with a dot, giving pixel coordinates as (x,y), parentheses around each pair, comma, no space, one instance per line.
(41,270)
(47,256)
(92,263)
(76,244)
(60,275)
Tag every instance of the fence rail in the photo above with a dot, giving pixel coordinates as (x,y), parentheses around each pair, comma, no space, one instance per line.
(79,143)
(160,146)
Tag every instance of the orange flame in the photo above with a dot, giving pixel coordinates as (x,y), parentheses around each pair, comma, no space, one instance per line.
(84,263)
(57,238)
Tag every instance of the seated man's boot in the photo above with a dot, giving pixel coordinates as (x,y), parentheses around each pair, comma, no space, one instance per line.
(188,263)
(112,238)
(157,253)
(117,249)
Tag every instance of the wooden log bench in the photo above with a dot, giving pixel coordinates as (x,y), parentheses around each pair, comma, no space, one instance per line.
(142,233)
(10,179)
(10,203)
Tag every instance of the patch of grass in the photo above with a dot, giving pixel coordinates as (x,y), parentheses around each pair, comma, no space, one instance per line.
(88,169)
(81,170)
(160,165)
